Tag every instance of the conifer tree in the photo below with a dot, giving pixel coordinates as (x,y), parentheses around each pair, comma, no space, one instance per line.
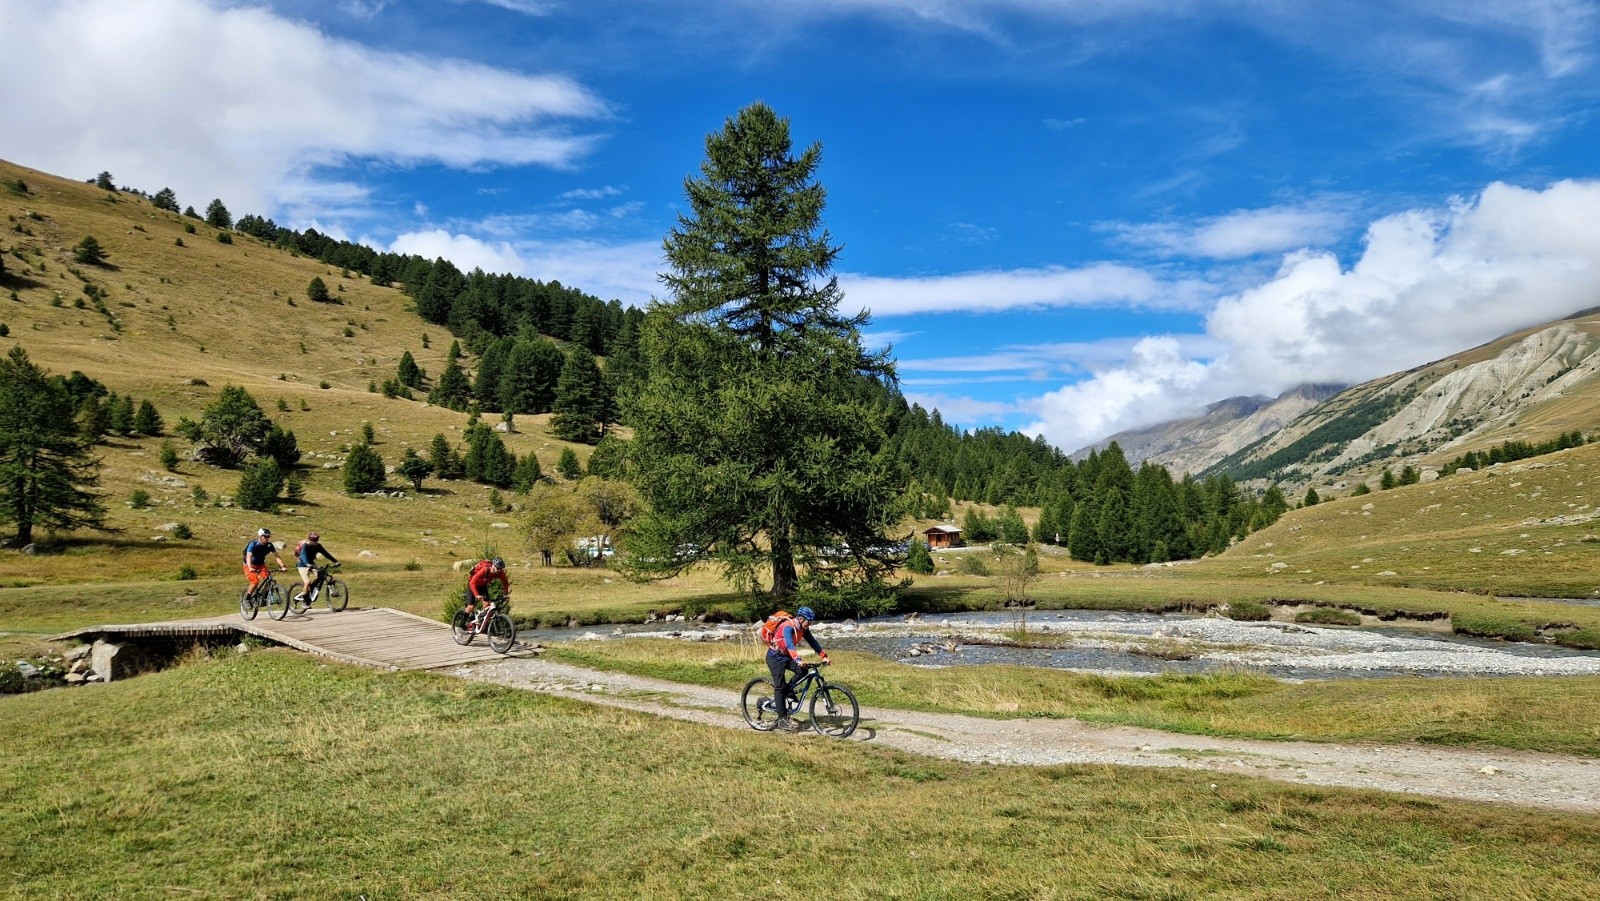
(89,252)
(217,215)
(446,462)
(259,486)
(567,464)
(165,199)
(453,390)
(147,421)
(363,470)
(1311,498)
(46,470)
(528,474)
(410,374)
(756,382)
(1083,542)
(581,401)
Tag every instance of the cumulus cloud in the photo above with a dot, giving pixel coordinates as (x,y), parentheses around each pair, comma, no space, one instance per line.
(626,272)
(217,100)
(1243,233)
(1428,284)
(1098,285)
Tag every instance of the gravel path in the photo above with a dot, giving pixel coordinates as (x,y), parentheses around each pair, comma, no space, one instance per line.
(1512,777)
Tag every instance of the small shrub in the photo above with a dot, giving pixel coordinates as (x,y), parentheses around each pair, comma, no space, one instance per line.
(324,385)
(186,573)
(283,405)
(140,499)
(972,565)
(1247,611)
(178,242)
(188,229)
(169,456)
(182,532)
(1329,616)
(5,332)
(412,566)
(199,495)
(224,238)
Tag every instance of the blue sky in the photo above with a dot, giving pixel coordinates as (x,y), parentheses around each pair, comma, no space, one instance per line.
(1069,217)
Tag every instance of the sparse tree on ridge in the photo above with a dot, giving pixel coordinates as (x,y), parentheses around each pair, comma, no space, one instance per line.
(165,199)
(317,290)
(103,181)
(217,215)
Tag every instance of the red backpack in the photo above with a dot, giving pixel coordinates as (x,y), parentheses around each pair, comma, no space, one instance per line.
(772,626)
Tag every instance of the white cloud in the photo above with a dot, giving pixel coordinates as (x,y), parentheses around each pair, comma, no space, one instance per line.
(526,7)
(1243,233)
(1097,285)
(1429,283)
(593,193)
(626,272)
(217,100)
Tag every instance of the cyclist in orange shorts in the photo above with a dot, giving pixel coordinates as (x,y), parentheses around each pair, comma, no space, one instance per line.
(255,558)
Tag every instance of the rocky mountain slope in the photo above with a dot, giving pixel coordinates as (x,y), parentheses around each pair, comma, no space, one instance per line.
(1528,386)
(1227,426)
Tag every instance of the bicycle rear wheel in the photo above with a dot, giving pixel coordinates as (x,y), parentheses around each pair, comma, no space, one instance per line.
(502,633)
(756,702)
(336,594)
(460,628)
(247,606)
(277,603)
(300,607)
(834,711)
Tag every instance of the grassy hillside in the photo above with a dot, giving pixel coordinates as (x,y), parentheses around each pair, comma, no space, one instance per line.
(230,314)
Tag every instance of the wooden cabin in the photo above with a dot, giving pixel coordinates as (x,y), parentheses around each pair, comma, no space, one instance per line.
(943,536)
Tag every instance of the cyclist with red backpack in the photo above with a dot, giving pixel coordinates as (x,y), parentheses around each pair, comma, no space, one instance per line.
(783,634)
(484,572)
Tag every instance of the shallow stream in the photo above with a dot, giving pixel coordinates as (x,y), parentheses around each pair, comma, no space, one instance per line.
(1144,643)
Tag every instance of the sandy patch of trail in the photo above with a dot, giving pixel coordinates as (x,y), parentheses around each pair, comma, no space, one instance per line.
(1511,777)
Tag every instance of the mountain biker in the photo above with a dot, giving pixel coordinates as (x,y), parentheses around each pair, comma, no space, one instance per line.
(783,655)
(478,582)
(305,557)
(255,558)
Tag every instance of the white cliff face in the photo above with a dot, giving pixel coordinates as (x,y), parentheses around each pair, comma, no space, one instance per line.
(1505,390)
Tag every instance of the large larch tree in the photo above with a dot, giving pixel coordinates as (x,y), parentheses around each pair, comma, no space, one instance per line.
(759,424)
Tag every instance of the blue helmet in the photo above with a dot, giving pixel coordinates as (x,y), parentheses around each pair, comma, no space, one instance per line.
(806,613)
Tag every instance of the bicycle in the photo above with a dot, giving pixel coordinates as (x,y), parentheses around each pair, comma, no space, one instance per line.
(335,592)
(266,593)
(834,711)
(501,630)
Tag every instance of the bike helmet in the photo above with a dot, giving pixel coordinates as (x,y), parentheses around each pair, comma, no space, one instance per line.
(497,563)
(314,536)
(806,613)
(263,533)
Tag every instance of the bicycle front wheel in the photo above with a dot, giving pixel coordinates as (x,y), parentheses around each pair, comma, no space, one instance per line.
(758,704)
(834,711)
(502,633)
(277,604)
(460,628)
(247,606)
(336,594)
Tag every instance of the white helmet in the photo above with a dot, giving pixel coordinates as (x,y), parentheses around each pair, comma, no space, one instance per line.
(263,533)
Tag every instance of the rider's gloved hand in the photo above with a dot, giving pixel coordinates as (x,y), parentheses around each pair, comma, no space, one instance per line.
(824,656)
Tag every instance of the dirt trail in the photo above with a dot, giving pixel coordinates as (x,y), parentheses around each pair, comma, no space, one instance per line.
(1511,777)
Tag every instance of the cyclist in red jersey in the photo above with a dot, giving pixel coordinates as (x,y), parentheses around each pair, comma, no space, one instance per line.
(478,580)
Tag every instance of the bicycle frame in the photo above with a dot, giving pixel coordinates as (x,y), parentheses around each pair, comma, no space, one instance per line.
(259,589)
(803,686)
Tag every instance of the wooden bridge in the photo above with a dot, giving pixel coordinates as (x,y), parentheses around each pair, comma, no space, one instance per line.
(370,636)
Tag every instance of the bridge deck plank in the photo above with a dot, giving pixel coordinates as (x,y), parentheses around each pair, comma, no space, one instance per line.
(371,636)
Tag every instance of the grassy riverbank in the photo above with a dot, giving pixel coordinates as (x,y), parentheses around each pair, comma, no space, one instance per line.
(272,775)
(1556,714)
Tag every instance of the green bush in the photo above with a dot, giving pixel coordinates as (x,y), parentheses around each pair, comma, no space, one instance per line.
(919,559)
(139,499)
(1247,611)
(186,573)
(972,565)
(1329,616)
(182,532)
(260,486)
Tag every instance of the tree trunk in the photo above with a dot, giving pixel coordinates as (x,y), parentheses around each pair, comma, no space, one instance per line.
(784,577)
